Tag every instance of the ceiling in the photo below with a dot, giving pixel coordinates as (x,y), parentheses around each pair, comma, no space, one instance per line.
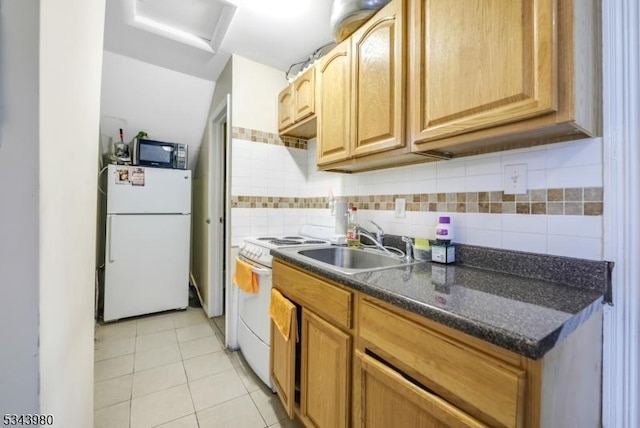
(197,37)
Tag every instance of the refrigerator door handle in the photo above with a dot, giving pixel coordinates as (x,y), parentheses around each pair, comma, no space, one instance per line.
(110,238)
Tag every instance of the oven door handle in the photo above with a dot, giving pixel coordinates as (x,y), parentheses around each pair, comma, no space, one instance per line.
(261,271)
(257,270)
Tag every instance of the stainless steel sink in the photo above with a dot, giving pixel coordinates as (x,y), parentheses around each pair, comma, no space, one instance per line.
(351,260)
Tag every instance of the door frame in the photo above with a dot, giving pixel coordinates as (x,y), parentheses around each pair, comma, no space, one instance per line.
(621,133)
(219,209)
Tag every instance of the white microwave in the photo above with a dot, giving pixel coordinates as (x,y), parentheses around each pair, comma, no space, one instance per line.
(159,154)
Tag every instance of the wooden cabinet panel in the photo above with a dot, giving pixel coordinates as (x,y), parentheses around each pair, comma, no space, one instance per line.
(473,381)
(283,365)
(326,362)
(331,302)
(481,63)
(335,104)
(378,78)
(285,108)
(388,399)
(304,91)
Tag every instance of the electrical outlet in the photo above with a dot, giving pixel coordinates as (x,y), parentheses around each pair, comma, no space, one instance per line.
(400,211)
(515,179)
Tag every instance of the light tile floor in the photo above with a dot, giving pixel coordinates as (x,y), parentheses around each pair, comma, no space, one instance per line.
(171,370)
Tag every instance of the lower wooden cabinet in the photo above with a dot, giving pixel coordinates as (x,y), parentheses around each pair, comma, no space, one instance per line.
(283,366)
(481,383)
(389,398)
(362,362)
(313,376)
(326,370)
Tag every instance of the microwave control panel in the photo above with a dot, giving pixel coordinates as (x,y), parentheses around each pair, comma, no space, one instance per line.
(181,157)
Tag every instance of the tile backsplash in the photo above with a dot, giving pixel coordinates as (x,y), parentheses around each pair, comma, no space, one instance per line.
(276,188)
(572,201)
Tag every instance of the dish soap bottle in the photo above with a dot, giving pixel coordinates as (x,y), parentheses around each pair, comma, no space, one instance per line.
(353,235)
(442,251)
(444,234)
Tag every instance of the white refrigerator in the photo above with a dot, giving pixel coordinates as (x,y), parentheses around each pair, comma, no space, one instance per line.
(147,241)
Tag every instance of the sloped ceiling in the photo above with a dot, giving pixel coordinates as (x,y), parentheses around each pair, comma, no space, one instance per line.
(197,37)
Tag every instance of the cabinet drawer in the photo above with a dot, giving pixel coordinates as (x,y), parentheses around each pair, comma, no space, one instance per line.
(331,302)
(483,386)
(390,399)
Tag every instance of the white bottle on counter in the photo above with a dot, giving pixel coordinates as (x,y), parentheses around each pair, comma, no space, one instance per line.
(444,233)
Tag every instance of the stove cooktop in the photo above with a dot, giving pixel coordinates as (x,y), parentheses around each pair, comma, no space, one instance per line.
(309,235)
(289,240)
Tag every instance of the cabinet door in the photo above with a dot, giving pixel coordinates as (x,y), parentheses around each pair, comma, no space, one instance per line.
(378,82)
(480,63)
(324,386)
(285,108)
(389,399)
(334,109)
(283,365)
(304,90)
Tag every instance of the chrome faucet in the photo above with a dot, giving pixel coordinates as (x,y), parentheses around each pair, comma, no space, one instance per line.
(379,232)
(408,249)
(378,244)
(364,232)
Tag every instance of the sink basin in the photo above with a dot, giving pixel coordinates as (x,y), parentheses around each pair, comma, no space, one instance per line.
(351,260)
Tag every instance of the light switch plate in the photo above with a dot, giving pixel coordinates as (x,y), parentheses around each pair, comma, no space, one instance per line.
(515,179)
(400,209)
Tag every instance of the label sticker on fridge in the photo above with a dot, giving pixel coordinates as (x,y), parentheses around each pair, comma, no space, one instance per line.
(137,176)
(122,175)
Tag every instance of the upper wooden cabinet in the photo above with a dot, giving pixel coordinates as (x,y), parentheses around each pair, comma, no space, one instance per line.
(304,95)
(480,63)
(489,75)
(297,106)
(378,79)
(435,79)
(285,108)
(334,113)
(361,86)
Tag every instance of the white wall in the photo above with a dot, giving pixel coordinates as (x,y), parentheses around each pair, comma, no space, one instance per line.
(168,105)
(255,95)
(222,88)
(19,230)
(261,169)
(71,38)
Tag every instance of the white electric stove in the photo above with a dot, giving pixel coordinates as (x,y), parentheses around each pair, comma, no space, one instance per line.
(253,309)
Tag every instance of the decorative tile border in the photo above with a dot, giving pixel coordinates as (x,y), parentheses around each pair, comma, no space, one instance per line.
(562,201)
(267,202)
(267,138)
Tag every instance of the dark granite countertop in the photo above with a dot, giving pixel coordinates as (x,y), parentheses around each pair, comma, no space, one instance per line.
(525,315)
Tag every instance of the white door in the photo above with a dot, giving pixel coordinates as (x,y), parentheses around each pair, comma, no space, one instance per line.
(211,201)
(217,225)
(146,264)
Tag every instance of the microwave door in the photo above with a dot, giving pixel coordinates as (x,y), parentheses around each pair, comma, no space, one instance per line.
(156,155)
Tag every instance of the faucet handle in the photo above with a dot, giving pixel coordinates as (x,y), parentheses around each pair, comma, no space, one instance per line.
(379,232)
